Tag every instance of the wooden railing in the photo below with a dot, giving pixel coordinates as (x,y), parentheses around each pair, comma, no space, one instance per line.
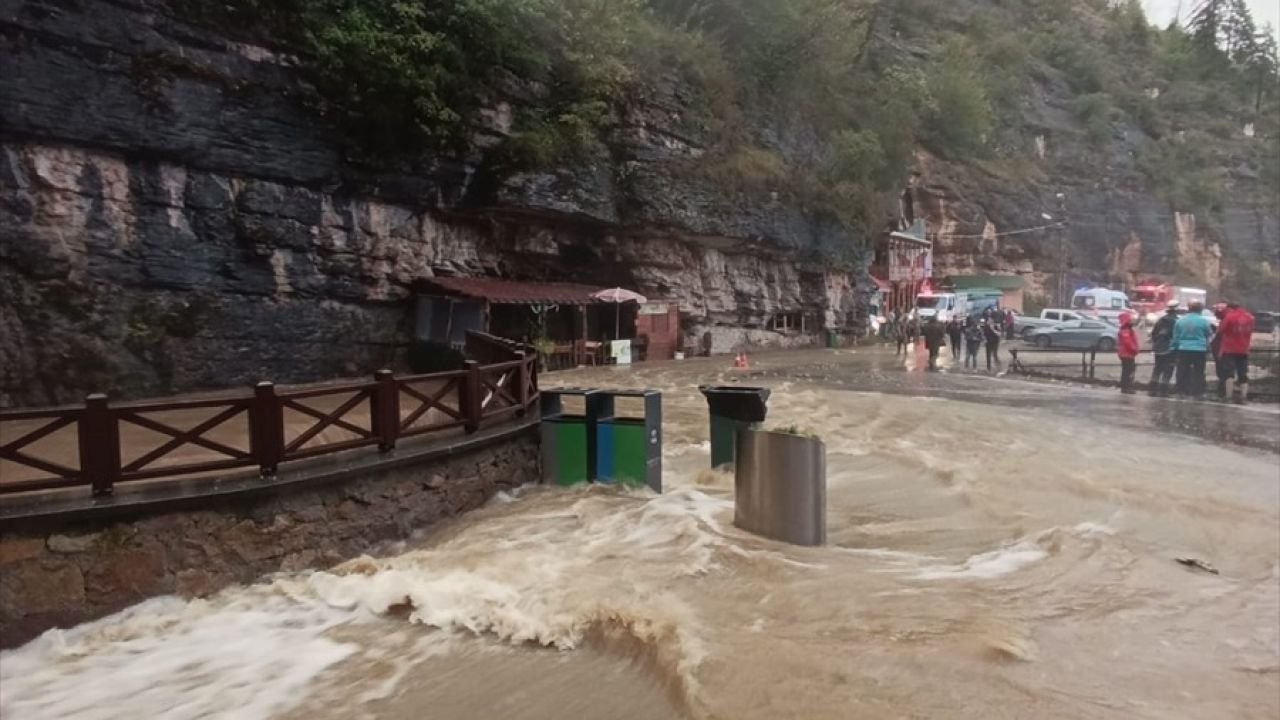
(101,445)
(487,349)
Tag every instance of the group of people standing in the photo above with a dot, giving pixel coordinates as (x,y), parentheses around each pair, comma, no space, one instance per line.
(971,334)
(967,334)
(1182,344)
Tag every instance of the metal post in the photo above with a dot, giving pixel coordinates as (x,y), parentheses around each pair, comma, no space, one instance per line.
(266,429)
(1062,223)
(384,409)
(522,385)
(99,436)
(469,397)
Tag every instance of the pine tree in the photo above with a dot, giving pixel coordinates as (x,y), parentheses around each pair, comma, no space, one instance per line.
(1207,22)
(1239,32)
(1262,65)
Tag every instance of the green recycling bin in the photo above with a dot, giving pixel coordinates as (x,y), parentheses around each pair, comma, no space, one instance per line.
(568,439)
(833,339)
(629,447)
(732,409)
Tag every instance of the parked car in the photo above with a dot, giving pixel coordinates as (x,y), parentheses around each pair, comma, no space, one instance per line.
(1077,335)
(1024,325)
(1266,322)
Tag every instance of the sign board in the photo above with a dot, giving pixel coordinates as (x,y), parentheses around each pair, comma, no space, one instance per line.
(620,351)
(653,309)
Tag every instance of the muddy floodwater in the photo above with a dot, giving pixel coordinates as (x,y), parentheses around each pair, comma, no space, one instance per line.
(997,549)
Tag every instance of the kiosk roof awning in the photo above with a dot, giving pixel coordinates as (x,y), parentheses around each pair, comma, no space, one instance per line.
(509,292)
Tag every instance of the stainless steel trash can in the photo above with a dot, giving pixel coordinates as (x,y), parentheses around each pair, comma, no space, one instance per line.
(781,486)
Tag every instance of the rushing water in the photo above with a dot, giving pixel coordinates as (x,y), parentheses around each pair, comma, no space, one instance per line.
(998,549)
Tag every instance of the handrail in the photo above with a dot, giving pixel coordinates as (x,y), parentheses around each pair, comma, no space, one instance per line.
(1023,361)
(398,407)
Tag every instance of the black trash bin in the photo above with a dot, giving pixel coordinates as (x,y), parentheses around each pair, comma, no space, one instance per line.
(733,408)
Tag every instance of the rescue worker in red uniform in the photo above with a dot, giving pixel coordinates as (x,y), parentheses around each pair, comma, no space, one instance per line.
(1127,348)
(1236,332)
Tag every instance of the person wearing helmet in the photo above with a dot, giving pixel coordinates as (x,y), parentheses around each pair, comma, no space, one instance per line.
(1191,334)
(1162,348)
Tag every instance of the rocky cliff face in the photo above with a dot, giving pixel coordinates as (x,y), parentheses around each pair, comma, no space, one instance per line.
(172,220)
(1119,230)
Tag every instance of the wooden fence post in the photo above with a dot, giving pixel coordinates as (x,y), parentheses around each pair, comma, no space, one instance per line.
(534,364)
(266,429)
(384,410)
(470,399)
(99,435)
(522,384)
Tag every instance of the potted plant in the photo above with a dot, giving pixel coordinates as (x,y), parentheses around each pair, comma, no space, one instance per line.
(545,347)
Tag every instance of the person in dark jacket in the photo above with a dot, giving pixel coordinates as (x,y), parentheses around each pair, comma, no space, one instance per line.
(991,334)
(1215,351)
(934,332)
(955,334)
(972,342)
(1127,348)
(1162,348)
(901,335)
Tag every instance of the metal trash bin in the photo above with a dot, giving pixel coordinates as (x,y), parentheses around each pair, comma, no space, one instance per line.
(732,408)
(780,485)
(569,439)
(628,448)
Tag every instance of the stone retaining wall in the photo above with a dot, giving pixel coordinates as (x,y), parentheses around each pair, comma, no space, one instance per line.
(90,568)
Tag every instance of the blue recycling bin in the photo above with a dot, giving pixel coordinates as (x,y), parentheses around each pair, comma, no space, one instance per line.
(629,447)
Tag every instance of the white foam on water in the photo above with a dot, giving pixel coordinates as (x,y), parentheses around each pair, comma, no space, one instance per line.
(549,578)
(1088,529)
(988,565)
(677,449)
(249,658)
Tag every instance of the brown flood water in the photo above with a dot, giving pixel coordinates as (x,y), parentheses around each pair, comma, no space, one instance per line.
(998,549)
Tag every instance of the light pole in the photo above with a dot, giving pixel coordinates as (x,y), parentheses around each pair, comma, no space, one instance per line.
(1062,249)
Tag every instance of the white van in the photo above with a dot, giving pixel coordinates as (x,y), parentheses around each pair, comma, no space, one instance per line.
(1101,303)
(944,306)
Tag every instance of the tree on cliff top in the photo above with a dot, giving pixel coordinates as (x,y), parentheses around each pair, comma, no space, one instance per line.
(866,83)
(960,119)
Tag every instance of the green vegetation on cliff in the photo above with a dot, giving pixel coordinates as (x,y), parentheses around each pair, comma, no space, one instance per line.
(871,81)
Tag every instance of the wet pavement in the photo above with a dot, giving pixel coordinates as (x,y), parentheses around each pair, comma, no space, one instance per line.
(880,370)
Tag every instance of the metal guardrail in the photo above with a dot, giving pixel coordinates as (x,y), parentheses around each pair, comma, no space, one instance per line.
(244,430)
(1103,367)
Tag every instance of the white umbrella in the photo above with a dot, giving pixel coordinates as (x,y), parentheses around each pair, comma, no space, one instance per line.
(618,296)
